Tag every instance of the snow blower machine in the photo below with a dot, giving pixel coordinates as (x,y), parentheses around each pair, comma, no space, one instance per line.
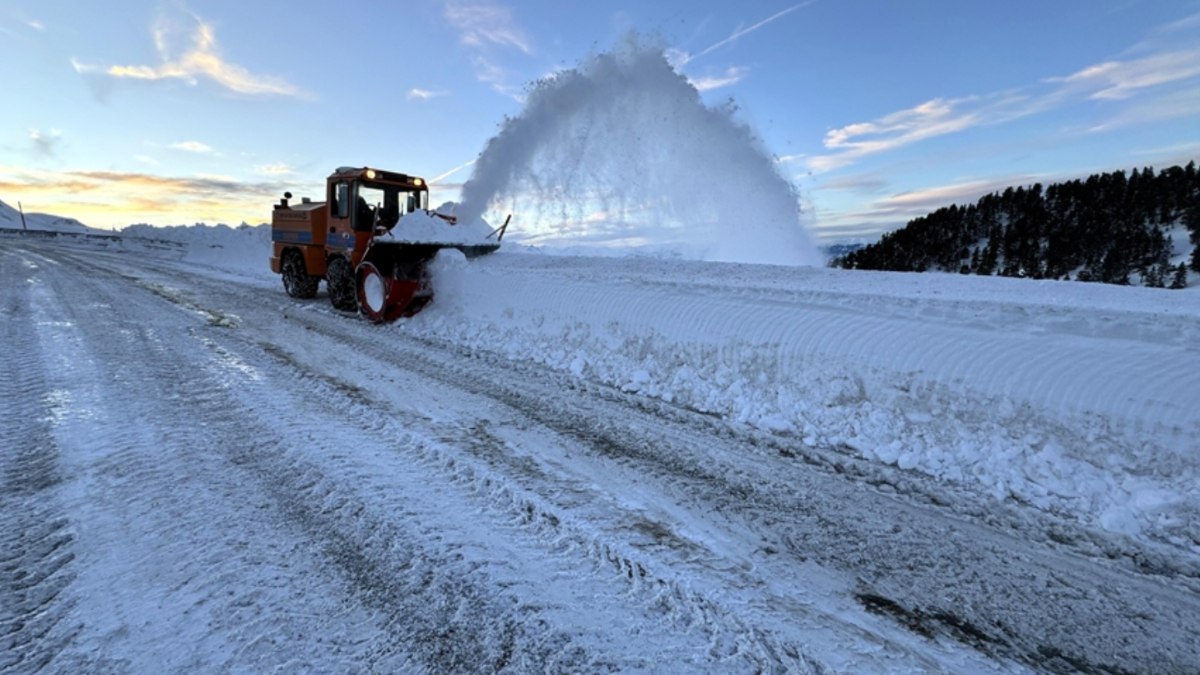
(371,241)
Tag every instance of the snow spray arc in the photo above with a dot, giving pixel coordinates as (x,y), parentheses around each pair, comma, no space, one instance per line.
(621,151)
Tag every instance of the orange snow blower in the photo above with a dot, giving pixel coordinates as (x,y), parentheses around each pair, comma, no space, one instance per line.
(370,241)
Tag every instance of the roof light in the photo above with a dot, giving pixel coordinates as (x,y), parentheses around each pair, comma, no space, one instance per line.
(370,174)
(418,182)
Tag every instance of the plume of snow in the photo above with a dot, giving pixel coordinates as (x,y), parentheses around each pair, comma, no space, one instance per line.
(622,151)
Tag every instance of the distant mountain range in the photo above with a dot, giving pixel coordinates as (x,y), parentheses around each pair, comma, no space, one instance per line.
(10,218)
(1142,228)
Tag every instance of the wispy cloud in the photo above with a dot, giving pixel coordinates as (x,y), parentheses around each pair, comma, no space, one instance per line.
(485,23)
(1187,148)
(1114,80)
(496,77)
(904,127)
(484,26)
(45,143)
(114,198)
(892,211)
(193,146)
(36,25)
(419,94)
(739,33)
(199,60)
(274,170)
(1153,108)
(732,76)
(1138,84)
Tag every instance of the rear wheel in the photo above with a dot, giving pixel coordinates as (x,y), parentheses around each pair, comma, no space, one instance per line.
(340,281)
(296,280)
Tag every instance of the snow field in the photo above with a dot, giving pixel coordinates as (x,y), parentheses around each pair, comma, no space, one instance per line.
(1087,405)
(1081,399)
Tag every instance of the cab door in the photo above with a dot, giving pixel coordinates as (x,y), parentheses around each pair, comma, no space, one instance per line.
(341,239)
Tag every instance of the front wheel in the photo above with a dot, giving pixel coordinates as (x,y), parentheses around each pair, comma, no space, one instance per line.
(340,281)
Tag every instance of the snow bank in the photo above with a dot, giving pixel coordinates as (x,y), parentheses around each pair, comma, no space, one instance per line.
(1085,402)
(245,248)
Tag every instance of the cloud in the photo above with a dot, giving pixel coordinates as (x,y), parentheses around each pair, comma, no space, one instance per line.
(418,94)
(1114,80)
(36,25)
(1187,148)
(114,198)
(861,183)
(200,60)
(274,170)
(904,127)
(497,78)
(484,23)
(192,146)
(1156,108)
(146,159)
(732,76)
(893,211)
(45,143)
(1132,90)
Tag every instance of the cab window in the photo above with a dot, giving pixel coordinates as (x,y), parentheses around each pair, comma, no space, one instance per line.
(341,200)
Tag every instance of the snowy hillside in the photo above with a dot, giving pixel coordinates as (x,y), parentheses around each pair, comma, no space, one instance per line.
(10,217)
(583,463)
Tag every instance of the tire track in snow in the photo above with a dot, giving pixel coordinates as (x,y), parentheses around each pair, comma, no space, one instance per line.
(437,608)
(647,455)
(926,577)
(729,641)
(526,518)
(174,571)
(36,537)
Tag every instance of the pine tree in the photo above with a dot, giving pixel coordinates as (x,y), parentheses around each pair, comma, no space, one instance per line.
(1180,278)
(1107,227)
(1153,277)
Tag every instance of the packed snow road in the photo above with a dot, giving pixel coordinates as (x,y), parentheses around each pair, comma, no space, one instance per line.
(202,474)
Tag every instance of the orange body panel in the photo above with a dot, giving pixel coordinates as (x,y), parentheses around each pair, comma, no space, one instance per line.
(302,227)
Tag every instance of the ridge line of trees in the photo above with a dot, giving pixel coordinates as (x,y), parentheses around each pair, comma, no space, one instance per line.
(1110,227)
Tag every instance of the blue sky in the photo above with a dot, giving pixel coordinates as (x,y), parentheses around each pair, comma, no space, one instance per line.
(878,110)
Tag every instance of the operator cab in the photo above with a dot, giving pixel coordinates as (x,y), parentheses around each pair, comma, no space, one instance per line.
(374,201)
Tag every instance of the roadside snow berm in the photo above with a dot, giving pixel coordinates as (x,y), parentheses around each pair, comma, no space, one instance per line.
(370,240)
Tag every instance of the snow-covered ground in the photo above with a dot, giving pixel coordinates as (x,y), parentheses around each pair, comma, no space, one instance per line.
(582,463)
(1082,399)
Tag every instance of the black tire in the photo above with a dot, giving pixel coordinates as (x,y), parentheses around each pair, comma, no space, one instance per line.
(297,282)
(339,278)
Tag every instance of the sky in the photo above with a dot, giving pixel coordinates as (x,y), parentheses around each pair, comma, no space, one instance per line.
(878,111)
